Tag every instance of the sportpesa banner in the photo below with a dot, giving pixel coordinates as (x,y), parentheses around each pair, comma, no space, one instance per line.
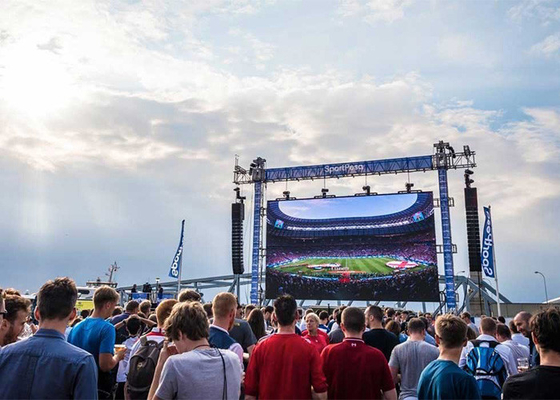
(488,246)
(379,247)
(175,269)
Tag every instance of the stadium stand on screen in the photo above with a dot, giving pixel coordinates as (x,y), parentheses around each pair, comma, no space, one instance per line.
(353,248)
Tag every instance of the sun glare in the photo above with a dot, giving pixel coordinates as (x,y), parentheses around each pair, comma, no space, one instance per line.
(35,83)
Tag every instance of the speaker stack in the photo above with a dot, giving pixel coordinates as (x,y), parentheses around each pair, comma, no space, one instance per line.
(237,217)
(473,229)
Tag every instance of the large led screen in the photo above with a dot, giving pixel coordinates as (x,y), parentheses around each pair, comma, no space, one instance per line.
(378,247)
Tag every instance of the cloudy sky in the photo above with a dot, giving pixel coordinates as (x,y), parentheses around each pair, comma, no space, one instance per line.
(120,118)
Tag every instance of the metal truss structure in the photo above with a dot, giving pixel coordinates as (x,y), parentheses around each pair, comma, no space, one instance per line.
(444,158)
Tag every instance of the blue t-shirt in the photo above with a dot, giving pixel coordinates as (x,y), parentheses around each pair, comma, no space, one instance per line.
(442,379)
(94,335)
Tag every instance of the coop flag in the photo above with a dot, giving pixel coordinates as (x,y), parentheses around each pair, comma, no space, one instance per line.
(175,270)
(488,246)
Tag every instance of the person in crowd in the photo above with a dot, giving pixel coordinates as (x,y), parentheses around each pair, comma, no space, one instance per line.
(132,308)
(248,309)
(501,319)
(189,295)
(46,364)
(97,336)
(134,289)
(4,324)
(390,314)
(133,327)
(333,319)
(410,358)
(268,317)
(471,334)
(466,316)
(395,328)
(117,311)
(503,335)
(377,336)
(145,308)
(521,322)
(242,333)
(313,334)
(442,378)
(542,381)
(17,310)
(428,338)
(337,335)
(239,311)
(284,365)
(431,325)
(198,371)
(224,307)
(157,335)
(478,353)
(208,308)
(324,317)
(351,362)
(257,324)
(516,336)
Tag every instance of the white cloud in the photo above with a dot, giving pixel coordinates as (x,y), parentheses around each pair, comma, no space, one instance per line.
(548,47)
(373,11)
(465,49)
(547,11)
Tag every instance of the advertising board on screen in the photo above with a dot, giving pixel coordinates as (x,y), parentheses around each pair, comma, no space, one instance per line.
(378,247)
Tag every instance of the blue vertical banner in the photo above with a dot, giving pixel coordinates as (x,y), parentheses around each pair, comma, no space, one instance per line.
(256,243)
(447,243)
(175,270)
(487,253)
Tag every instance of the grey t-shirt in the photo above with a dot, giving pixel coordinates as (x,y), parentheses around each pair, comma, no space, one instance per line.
(336,336)
(199,374)
(410,358)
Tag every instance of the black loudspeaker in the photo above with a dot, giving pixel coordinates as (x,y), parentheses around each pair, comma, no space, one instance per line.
(473,229)
(237,217)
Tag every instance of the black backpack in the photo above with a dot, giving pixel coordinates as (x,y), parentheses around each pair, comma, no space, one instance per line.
(142,367)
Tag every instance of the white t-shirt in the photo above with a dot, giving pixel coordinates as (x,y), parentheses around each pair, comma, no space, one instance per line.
(123,364)
(518,350)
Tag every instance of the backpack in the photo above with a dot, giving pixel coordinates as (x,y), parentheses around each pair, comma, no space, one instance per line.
(484,363)
(142,368)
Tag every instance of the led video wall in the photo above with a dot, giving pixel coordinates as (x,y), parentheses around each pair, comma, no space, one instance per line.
(378,247)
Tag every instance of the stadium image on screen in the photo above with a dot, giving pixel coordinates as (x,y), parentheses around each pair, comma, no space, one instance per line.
(378,247)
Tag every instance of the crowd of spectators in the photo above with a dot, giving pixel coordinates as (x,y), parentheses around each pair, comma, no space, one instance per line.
(185,349)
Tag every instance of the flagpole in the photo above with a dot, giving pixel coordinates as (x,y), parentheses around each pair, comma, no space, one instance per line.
(494,260)
(180,261)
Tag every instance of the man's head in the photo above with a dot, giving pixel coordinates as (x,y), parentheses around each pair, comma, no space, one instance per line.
(545,328)
(451,332)
(145,307)
(105,300)
(248,309)
(324,317)
(374,315)
(466,317)
(56,300)
(390,313)
(416,328)
(133,326)
(17,309)
(208,308)
(285,309)
(132,307)
(224,307)
(189,295)
(339,315)
(503,333)
(268,310)
(187,323)
(353,322)
(521,321)
(488,326)
(163,311)
(512,327)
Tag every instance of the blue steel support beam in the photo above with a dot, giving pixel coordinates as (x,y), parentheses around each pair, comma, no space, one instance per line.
(341,170)
(446,233)
(256,242)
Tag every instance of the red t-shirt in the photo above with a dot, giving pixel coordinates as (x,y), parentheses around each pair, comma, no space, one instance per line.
(284,366)
(355,370)
(320,341)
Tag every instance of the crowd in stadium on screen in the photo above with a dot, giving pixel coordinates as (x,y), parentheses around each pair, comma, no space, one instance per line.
(184,348)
